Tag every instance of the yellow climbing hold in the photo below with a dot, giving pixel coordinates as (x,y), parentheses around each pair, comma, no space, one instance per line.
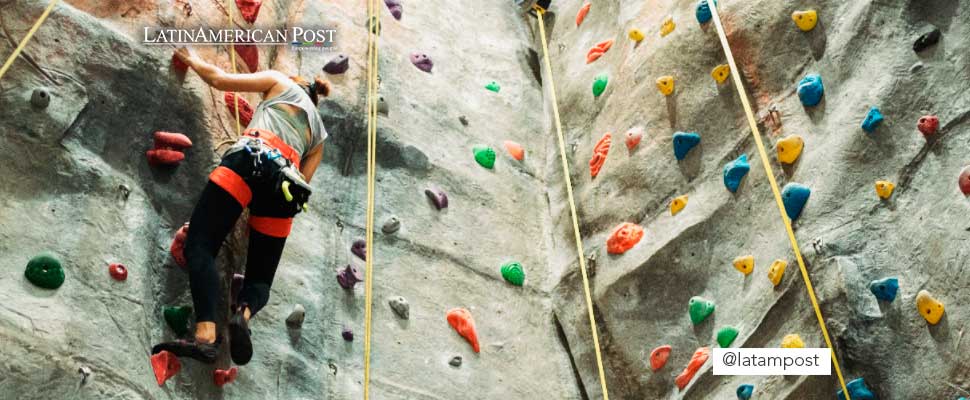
(792,341)
(884,189)
(776,271)
(745,264)
(805,20)
(667,26)
(666,84)
(636,35)
(931,309)
(789,149)
(677,204)
(720,73)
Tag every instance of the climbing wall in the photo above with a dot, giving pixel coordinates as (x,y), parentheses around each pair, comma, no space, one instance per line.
(864,53)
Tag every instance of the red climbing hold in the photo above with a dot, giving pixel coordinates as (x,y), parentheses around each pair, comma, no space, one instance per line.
(249,54)
(178,245)
(581,15)
(165,365)
(515,150)
(224,376)
(599,154)
(596,51)
(172,141)
(245,109)
(965,181)
(659,356)
(696,362)
(623,238)
(164,157)
(249,9)
(118,272)
(178,65)
(633,137)
(461,320)
(928,124)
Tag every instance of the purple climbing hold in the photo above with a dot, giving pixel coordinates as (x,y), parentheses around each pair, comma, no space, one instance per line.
(349,276)
(337,65)
(422,61)
(395,7)
(438,197)
(347,334)
(359,248)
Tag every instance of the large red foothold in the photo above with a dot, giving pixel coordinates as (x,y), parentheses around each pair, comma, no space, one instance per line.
(178,245)
(696,362)
(172,141)
(623,238)
(928,124)
(224,376)
(596,51)
(249,9)
(581,15)
(245,109)
(249,54)
(599,154)
(118,272)
(461,319)
(164,157)
(964,181)
(165,365)
(659,356)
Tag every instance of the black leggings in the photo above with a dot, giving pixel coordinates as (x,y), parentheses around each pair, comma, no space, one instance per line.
(232,187)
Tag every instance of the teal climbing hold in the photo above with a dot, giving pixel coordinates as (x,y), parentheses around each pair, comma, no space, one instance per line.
(513,273)
(745,391)
(726,336)
(177,318)
(735,171)
(599,84)
(794,196)
(45,271)
(857,390)
(699,309)
(884,289)
(485,156)
(704,11)
(810,90)
(872,120)
(493,86)
(684,142)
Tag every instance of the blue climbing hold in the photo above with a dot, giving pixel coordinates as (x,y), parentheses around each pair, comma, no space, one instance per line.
(873,119)
(745,391)
(683,142)
(884,289)
(795,195)
(857,390)
(704,11)
(734,171)
(810,90)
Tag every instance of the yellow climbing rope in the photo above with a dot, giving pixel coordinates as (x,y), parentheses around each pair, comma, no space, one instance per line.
(232,60)
(30,33)
(736,74)
(372,60)
(540,12)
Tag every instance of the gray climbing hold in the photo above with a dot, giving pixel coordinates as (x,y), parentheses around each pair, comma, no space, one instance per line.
(296,317)
(359,248)
(392,225)
(382,107)
(85,372)
(337,65)
(455,361)
(400,306)
(348,277)
(41,98)
(348,334)
(463,120)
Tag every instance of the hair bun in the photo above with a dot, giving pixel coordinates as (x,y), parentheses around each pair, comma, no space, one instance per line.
(323,86)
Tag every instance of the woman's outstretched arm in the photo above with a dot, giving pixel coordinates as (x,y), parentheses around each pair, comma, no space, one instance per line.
(259,82)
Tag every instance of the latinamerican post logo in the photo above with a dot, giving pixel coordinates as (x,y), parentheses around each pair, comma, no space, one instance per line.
(298,37)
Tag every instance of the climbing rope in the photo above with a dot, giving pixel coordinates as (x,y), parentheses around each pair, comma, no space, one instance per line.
(30,33)
(372,69)
(232,60)
(736,74)
(540,12)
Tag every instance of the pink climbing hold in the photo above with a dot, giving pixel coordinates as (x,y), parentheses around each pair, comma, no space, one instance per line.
(224,376)
(623,238)
(928,124)
(173,141)
(118,272)
(249,54)
(633,137)
(659,356)
(597,51)
(461,319)
(165,365)
(249,9)
(163,157)
(515,150)
(438,197)
(964,181)
(359,248)
(395,7)
(349,276)
(599,154)
(422,61)
(245,109)
(581,15)
(696,362)
(168,149)
(178,245)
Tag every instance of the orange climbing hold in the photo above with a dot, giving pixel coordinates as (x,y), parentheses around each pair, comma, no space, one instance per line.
(696,362)
(596,51)
(599,154)
(659,356)
(581,15)
(515,150)
(224,376)
(461,319)
(249,9)
(249,54)
(623,238)
(245,109)
(165,365)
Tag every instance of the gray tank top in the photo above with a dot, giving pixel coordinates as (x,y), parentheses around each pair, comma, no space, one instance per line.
(281,122)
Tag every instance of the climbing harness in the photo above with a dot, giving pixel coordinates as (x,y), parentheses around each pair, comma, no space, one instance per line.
(289,180)
(736,75)
(30,33)
(372,100)
(572,204)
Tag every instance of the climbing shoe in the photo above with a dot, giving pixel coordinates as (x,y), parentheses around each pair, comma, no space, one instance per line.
(203,352)
(240,342)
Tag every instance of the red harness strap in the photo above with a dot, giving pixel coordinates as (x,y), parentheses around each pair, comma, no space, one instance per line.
(231,182)
(271,226)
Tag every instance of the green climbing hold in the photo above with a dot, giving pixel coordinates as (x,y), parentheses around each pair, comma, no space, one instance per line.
(513,273)
(45,271)
(485,156)
(493,86)
(699,308)
(599,84)
(726,336)
(177,318)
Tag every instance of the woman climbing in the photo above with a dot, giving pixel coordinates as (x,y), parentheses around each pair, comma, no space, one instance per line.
(267,170)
